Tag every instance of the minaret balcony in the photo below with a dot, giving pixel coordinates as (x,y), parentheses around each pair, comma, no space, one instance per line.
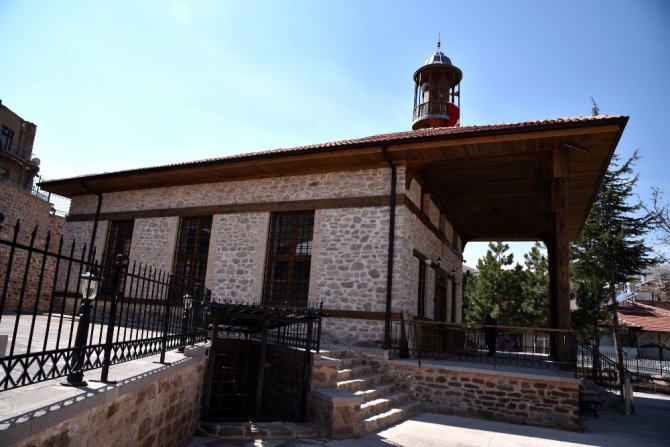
(431,109)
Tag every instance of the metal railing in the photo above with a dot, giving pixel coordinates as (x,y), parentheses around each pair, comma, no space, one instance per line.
(603,371)
(60,205)
(498,345)
(43,314)
(639,363)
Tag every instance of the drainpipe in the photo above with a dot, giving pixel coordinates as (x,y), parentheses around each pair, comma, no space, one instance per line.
(95,222)
(391,243)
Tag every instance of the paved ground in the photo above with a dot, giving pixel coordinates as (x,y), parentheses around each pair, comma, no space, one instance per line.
(648,427)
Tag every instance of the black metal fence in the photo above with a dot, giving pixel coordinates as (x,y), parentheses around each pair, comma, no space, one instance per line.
(499,345)
(641,362)
(55,324)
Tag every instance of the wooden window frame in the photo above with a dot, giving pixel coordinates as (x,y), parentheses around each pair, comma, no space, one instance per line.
(193,238)
(292,248)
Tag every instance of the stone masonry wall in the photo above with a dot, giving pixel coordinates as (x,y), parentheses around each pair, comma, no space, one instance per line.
(158,410)
(236,259)
(371,182)
(418,237)
(153,242)
(33,213)
(349,270)
(350,248)
(519,398)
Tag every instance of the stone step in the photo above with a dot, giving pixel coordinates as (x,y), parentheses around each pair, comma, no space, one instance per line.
(259,430)
(353,372)
(337,353)
(390,417)
(360,383)
(383,404)
(376,392)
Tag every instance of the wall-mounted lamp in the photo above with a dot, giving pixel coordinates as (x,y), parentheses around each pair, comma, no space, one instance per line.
(437,262)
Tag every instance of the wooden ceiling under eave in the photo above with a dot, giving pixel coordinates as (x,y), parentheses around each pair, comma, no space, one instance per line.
(499,187)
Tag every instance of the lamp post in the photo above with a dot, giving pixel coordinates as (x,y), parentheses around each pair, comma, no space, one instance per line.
(188,303)
(88,286)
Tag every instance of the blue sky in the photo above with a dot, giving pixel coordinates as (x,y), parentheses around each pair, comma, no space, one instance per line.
(124,84)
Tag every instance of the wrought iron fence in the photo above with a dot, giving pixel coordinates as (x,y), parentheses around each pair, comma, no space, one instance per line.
(498,345)
(55,325)
(640,363)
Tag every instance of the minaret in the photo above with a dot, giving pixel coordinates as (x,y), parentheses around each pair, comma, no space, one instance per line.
(437,93)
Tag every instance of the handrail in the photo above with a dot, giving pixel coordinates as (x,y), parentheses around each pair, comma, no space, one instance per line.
(509,345)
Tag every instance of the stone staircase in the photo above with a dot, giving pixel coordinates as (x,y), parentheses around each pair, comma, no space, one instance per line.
(361,402)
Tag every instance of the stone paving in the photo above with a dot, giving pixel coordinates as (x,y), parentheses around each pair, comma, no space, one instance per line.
(648,427)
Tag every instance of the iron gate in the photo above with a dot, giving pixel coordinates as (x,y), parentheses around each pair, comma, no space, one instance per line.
(260,362)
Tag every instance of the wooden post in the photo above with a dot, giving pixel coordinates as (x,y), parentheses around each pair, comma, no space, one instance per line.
(558,248)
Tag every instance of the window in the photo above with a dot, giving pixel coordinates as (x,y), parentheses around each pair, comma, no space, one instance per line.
(421,298)
(119,238)
(6,138)
(289,258)
(192,248)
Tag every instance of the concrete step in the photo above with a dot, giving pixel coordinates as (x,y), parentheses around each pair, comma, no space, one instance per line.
(353,372)
(383,404)
(359,383)
(376,392)
(390,417)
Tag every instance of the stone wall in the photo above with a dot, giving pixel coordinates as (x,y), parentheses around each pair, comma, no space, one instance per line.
(158,409)
(236,259)
(370,182)
(153,241)
(505,396)
(350,245)
(34,214)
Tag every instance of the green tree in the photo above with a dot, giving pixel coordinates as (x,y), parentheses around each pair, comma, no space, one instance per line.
(485,291)
(609,249)
(535,287)
(515,296)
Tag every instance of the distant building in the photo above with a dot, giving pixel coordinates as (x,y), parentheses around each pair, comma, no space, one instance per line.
(22,202)
(17,165)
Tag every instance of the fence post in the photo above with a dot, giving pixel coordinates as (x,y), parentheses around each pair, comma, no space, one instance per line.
(166,317)
(119,265)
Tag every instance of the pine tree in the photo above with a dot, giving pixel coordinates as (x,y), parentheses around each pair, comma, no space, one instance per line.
(535,287)
(610,248)
(485,292)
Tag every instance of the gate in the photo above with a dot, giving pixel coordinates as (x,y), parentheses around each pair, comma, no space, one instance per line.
(260,362)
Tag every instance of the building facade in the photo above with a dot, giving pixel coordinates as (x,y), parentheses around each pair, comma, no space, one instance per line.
(372,227)
(17,165)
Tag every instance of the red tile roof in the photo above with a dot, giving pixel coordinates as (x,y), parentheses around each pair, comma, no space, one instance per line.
(409,136)
(645,317)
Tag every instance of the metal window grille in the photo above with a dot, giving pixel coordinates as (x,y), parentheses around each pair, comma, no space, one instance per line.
(421,301)
(192,247)
(289,258)
(6,138)
(119,239)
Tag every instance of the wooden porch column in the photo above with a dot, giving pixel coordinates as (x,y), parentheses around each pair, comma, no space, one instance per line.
(558,248)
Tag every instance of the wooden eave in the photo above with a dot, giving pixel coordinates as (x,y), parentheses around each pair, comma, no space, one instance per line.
(492,182)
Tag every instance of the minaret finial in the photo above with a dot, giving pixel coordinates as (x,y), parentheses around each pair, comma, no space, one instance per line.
(439,44)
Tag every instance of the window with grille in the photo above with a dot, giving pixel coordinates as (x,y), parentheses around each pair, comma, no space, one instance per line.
(421,298)
(119,238)
(192,248)
(289,258)
(6,137)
